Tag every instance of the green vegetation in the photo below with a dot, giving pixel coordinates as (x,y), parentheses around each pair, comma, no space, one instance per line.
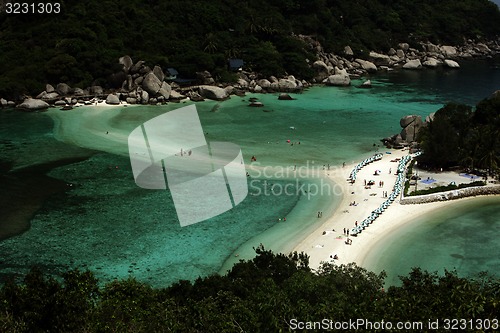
(261,295)
(459,136)
(81,45)
(445,188)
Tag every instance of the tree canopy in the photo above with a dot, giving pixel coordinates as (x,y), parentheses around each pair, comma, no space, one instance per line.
(265,294)
(81,44)
(461,136)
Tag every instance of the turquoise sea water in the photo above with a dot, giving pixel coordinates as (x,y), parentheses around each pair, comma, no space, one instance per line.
(104,222)
(461,238)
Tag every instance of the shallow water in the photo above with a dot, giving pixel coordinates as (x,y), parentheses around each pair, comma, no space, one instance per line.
(104,222)
(462,237)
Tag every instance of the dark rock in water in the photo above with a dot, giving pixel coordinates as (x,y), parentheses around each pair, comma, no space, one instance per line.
(253,99)
(285,97)
(67,107)
(256,104)
(268,110)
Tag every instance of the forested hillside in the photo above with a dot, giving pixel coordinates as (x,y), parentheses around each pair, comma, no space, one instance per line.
(81,44)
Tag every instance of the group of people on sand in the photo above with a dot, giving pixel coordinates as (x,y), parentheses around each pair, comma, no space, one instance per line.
(184,153)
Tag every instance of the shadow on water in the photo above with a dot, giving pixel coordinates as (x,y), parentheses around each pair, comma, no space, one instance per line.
(24,191)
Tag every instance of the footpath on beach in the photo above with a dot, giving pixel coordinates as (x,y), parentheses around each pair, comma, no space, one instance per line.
(370,209)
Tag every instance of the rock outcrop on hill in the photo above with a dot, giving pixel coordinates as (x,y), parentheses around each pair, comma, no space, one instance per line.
(411,126)
(142,85)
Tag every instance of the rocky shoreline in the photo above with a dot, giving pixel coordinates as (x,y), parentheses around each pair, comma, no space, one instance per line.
(451,195)
(144,85)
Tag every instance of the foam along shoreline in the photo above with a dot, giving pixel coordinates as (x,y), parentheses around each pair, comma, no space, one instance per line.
(359,201)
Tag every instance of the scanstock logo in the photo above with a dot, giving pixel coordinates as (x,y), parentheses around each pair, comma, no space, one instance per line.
(204,179)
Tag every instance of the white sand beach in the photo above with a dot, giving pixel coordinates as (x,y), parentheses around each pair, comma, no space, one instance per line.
(329,240)
(92,127)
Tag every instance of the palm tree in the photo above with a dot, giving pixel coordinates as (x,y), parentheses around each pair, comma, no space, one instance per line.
(252,26)
(210,45)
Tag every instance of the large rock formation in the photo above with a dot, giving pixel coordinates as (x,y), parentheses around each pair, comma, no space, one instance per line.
(165,90)
(449,51)
(348,51)
(430,62)
(451,63)
(205,78)
(287,84)
(341,78)
(112,99)
(367,65)
(32,104)
(127,63)
(96,91)
(136,67)
(380,59)
(212,92)
(158,72)
(411,126)
(413,64)
(63,89)
(151,84)
(321,69)
(264,83)
(49,88)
